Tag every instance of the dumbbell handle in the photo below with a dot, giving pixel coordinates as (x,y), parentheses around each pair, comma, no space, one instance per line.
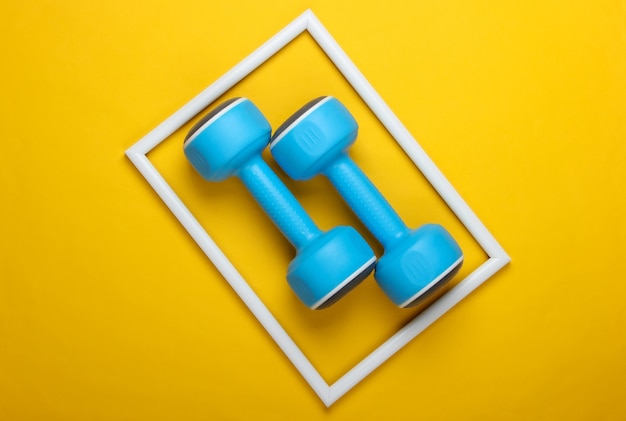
(366,201)
(278,202)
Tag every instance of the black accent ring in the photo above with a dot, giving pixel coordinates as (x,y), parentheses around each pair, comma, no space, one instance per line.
(209,116)
(435,287)
(347,287)
(306,107)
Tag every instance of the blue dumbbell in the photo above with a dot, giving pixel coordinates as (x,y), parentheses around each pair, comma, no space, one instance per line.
(228,142)
(415,263)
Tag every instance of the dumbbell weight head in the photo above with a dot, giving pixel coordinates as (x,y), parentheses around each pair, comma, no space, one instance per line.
(327,265)
(323,133)
(222,141)
(423,261)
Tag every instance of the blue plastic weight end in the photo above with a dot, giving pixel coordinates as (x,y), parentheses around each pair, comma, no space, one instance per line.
(330,266)
(313,137)
(418,265)
(233,133)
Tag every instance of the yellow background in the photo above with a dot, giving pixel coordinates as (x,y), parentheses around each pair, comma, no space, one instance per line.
(109,311)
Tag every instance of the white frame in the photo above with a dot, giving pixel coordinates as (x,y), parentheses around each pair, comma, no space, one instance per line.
(497,257)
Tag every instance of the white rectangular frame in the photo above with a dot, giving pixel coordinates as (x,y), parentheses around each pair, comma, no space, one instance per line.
(497,257)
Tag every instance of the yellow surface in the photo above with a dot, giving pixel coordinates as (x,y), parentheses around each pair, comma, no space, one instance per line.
(109,311)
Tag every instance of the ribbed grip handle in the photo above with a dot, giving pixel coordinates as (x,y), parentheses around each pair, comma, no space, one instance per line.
(366,201)
(278,202)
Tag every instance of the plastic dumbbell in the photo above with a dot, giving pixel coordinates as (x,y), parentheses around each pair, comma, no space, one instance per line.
(314,141)
(229,142)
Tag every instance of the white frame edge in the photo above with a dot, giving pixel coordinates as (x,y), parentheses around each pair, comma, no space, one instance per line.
(309,22)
